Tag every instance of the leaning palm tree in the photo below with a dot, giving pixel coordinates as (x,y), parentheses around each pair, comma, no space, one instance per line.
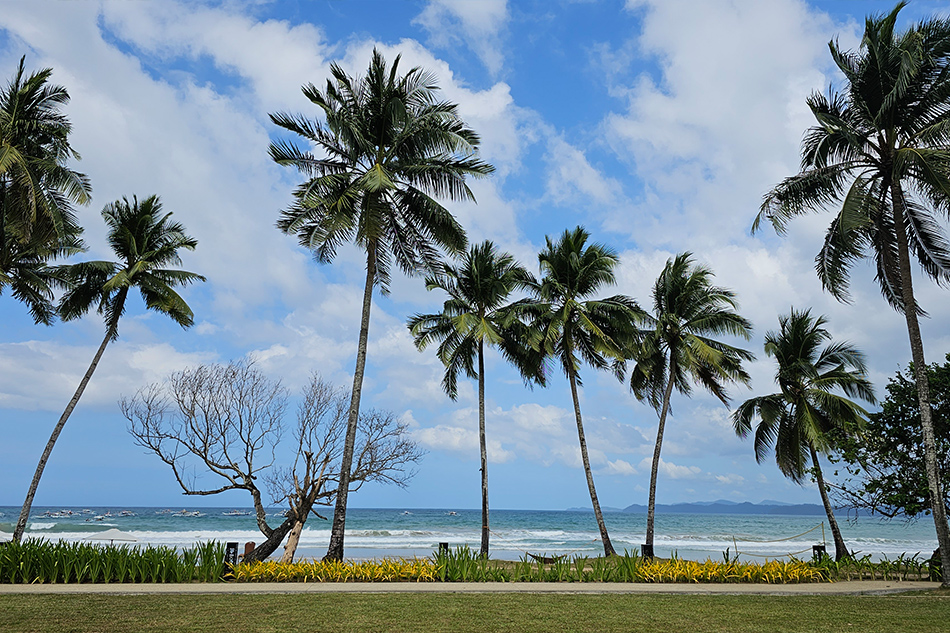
(37,223)
(678,351)
(569,325)
(144,242)
(801,419)
(475,314)
(880,151)
(386,146)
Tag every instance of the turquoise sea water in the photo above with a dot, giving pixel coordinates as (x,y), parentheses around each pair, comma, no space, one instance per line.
(375,533)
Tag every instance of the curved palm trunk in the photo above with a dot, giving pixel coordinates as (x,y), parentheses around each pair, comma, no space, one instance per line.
(335,550)
(604,537)
(923,387)
(841,550)
(655,469)
(28,503)
(481,445)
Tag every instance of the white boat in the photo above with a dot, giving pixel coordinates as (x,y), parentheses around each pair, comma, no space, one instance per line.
(236,513)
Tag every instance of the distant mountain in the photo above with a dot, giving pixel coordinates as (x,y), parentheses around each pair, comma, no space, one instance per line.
(723,506)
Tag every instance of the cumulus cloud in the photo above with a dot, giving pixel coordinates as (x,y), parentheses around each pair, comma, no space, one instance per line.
(479,24)
(671,470)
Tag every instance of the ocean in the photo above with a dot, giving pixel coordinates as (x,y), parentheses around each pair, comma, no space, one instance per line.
(378,533)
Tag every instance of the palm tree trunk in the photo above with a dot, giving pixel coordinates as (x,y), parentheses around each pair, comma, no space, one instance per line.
(604,537)
(28,503)
(655,469)
(923,386)
(481,445)
(841,550)
(335,550)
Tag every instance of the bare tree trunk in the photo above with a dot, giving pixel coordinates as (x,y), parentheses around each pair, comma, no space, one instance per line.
(483,449)
(604,537)
(28,503)
(273,541)
(335,550)
(923,386)
(290,548)
(841,550)
(655,469)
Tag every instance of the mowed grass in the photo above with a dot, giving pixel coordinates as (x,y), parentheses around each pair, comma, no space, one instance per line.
(460,613)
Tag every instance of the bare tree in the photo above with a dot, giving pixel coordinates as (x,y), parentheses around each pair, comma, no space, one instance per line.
(227,420)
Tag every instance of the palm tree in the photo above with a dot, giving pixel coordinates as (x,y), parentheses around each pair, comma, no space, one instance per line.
(801,419)
(475,313)
(25,268)
(387,145)
(37,223)
(677,350)
(880,151)
(569,326)
(144,241)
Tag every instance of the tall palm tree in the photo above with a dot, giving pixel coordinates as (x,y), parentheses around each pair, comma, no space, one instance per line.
(476,313)
(570,326)
(144,242)
(677,349)
(880,151)
(800,420)
(386,146)
(37,223)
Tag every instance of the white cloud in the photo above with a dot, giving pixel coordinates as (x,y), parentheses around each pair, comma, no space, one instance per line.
(620,467)
(669,469)
(480,24)
(43,375)
(730,479)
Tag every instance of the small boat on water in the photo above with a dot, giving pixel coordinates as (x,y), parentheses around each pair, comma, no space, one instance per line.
(406,512)
(452,513)
(236,513)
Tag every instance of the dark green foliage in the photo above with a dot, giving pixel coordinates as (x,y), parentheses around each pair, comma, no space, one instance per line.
(40,561)
(37,222)
(882,470)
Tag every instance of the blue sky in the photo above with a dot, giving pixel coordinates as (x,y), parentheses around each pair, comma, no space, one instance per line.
(657,125)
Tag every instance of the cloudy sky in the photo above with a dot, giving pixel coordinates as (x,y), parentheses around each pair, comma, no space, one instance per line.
(658,125)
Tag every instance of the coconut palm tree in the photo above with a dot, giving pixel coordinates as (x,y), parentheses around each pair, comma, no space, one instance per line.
(387,145)
(800,420)
(475,314)
(569,325)
(677,349)
(144,242)
(880,155)
(37,223)
(25,268)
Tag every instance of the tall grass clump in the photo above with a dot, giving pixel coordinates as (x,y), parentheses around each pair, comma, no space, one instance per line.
(41,561)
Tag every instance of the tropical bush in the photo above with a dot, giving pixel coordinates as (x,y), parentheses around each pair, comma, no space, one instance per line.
(903,567)
(463,565)
(41,561)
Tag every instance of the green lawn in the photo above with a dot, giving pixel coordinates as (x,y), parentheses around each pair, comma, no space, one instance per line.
(459,613)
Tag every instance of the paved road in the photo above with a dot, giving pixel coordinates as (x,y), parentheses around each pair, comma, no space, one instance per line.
(866,587)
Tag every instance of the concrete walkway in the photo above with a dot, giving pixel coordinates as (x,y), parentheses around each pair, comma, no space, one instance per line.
(852,588)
